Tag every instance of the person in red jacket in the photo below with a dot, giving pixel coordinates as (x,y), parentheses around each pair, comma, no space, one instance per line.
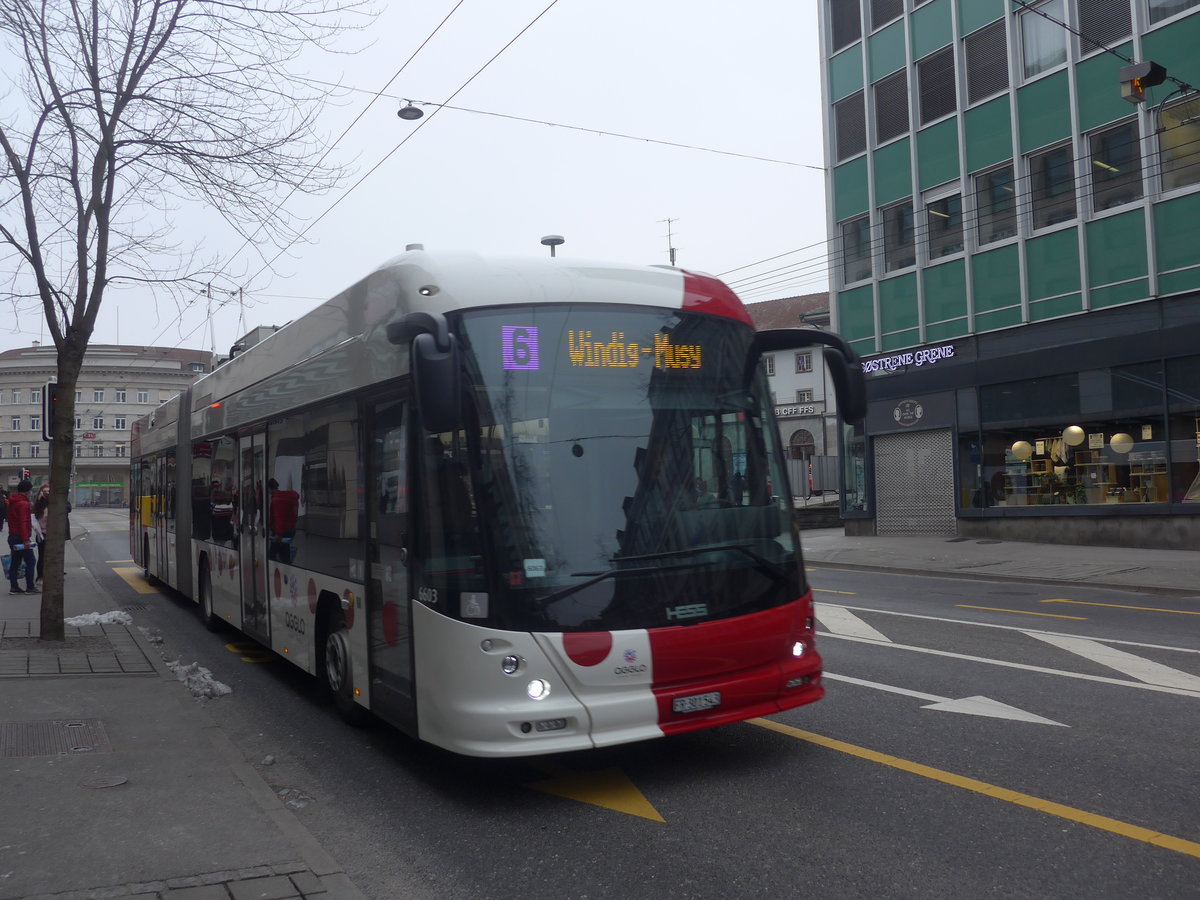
(20,534)
(284,510)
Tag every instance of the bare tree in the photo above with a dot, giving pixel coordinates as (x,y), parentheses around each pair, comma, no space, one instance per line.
(118,112)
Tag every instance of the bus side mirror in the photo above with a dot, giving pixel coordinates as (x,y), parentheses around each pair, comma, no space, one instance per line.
(436,368)
(845,368)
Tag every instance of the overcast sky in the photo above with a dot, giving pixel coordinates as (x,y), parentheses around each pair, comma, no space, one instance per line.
(739,78)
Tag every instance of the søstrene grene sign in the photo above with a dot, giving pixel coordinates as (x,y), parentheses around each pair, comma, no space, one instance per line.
(927,355)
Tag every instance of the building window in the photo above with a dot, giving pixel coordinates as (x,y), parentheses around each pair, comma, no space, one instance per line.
(16,450)
(850,126)
(935,85)
(804,396)
(845,23)
(891,106)
(1116,166)
(1179,144)
(16,395)
(119,450)
(804,362)
(35,395)
(1,451)
(16,423)
(119,423)
(987,62)
(98,423)
(1103,23)
(1163,9)
(884,11)
(78,424)
(944,220)
(1052,179)
(197,367)
(78,396)
(98,395)
(143,396)
(35,450)
(856,249)
(98,450)
(770,361)
(898,247)
(996,205)
(35,423)
(1043,43)
(120,395)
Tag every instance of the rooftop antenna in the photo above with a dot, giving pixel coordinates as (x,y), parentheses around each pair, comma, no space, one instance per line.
(670,243)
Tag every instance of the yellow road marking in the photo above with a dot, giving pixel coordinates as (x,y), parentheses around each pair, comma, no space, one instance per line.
(1021,612)
(827,591)
(253,653)
(1104,823)
(1178,612)
(136,579)
(610,788)
(115,562)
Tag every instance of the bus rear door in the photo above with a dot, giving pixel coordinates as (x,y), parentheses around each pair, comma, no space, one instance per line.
(252,537)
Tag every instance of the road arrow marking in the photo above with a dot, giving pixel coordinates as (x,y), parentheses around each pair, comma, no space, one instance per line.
(972,706)
(609,788)
(1126,663)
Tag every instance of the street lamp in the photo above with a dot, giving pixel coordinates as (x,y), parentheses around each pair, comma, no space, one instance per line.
(552,241)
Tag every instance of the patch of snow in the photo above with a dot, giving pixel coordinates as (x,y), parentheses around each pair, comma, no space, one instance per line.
(198,680)
(115,617)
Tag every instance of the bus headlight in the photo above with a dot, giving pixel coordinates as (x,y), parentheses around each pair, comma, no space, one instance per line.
(799,648)
(510,664)
(538,689)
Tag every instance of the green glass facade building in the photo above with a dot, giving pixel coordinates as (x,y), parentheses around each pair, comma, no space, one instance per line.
(1015,252)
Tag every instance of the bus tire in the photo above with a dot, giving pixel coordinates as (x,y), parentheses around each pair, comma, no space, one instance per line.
(207,616)
(336,674)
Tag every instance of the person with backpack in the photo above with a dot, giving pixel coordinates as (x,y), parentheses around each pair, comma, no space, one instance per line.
(20,533)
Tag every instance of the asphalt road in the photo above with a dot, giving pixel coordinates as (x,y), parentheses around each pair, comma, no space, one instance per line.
(1066,790)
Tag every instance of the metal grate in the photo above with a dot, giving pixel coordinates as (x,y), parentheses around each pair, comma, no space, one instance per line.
(850,126)
(891,106)
(59,737)
(914,483)
(987,62)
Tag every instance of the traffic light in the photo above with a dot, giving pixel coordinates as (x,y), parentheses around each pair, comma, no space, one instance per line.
(25,475)
(49,399)
(1136,78)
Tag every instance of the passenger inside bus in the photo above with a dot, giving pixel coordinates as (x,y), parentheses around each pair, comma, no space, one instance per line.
(284,509)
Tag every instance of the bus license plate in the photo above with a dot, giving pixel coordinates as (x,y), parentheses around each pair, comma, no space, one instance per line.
(696,702)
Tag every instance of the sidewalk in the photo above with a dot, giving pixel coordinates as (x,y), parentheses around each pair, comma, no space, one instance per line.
(117,783)
(1165,572)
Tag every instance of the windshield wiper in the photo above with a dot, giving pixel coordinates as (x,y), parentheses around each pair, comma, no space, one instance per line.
(773,568)
(600,576)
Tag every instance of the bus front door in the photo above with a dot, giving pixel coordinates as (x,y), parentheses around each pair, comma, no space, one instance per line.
(388,592)
(252,538)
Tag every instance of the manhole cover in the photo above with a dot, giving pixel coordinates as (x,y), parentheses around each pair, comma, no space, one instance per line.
(60,737)
(103,781)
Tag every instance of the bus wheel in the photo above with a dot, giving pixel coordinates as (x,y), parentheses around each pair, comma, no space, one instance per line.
(336,674)
(207,616)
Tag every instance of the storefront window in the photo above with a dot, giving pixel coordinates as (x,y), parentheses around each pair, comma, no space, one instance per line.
(1097,437)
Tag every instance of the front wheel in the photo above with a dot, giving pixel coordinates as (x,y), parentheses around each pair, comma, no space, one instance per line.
(336,673)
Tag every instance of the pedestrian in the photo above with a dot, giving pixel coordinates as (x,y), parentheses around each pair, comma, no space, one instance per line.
(20,534)
(41,510)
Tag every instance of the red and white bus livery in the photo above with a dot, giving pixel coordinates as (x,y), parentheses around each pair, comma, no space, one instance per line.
(511,507)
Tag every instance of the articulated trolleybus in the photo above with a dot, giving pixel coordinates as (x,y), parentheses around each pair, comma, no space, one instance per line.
(509,506)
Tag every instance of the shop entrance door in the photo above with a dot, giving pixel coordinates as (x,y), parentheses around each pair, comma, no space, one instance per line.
(914,483)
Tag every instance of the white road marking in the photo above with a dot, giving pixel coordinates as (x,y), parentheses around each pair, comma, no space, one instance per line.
(1133,666)
(840,620)
(974,706)
(1163,689)
(1024,629)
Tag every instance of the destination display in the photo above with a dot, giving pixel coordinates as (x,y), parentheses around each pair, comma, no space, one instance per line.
(521,350)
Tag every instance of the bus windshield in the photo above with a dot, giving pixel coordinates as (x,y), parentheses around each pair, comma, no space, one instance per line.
(623,474)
